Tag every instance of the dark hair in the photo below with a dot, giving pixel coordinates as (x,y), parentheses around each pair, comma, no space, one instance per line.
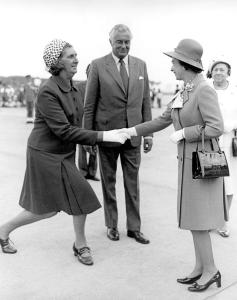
(57,68)
(209,72)
(190,67)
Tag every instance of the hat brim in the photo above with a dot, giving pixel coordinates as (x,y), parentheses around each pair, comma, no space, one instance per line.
(185,59)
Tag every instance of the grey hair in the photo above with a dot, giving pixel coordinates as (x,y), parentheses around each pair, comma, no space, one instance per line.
(119,28)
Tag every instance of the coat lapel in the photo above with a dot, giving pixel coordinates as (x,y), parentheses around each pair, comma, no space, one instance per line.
(112,69)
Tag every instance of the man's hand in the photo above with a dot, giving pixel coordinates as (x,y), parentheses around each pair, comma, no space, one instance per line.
(147,144)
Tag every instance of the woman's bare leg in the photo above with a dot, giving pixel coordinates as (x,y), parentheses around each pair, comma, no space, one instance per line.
(224,231)
(23,218)
(79,228)
(198,268)
(203,243)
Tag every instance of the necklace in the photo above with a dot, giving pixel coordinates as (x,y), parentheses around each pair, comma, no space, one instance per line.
(189,85)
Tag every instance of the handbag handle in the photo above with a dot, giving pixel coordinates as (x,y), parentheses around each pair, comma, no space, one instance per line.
(203,144)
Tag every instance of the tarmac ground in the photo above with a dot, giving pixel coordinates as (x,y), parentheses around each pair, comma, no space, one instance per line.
(44,267)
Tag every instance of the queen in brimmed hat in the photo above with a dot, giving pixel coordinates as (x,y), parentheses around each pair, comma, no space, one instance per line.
(201,205)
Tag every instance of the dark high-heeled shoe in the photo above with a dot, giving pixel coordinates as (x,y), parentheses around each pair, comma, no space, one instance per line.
(188,280)
(80,253)
(7,247)
(202,287)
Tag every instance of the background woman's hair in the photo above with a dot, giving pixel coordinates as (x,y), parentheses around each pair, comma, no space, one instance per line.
(57,68)
(189,67)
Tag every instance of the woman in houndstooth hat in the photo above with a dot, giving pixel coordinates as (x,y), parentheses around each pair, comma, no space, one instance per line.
(52,181)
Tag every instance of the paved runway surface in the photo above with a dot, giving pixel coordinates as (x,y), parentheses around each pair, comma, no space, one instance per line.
(44,267)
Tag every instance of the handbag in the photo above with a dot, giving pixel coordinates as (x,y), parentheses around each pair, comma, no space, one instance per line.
(234,144)
(206,165)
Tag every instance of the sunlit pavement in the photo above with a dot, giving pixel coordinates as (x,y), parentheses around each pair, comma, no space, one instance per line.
(44,267)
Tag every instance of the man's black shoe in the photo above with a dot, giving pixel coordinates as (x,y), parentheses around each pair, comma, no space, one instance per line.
(113,234)
(138,236)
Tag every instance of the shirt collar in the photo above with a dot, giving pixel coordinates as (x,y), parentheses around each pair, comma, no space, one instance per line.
(116,59)
(63,84)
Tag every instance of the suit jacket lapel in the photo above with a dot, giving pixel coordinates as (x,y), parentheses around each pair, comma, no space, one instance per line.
(112,69)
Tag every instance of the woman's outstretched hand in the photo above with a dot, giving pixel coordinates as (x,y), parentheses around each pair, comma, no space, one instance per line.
(115,136)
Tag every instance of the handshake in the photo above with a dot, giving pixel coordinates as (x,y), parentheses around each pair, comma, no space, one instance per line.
(119,135)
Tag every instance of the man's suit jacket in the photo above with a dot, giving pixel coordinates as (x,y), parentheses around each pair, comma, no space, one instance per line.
(106,104)
(82,89)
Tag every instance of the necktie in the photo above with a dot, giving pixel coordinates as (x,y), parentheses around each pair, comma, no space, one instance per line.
(124,75)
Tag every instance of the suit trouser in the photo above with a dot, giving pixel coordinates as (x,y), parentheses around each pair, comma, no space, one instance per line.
(130,161)
(87,168)
(29,109)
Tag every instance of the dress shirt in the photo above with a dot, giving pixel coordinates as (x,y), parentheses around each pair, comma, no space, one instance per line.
(125,59)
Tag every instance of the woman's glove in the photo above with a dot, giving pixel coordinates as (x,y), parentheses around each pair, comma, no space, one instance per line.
(177,136)
(116,136)
(131,131)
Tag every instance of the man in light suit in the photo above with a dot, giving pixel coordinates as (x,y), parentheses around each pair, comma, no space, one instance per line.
(118,96)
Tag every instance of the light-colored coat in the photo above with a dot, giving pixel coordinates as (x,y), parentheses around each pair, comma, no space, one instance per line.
(201,202)
(228,104)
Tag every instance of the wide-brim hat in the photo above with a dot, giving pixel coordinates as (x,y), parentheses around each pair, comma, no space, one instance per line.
(188,51)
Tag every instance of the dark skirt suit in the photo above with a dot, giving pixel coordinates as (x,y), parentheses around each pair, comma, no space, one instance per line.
(52,181)
(201,203)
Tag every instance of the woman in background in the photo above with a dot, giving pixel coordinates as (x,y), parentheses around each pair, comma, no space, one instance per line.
(220,70)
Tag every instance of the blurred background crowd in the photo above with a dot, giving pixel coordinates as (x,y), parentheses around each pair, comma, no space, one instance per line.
(15,91)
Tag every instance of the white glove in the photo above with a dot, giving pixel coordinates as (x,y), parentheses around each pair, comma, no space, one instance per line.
(177,136)
(131,131)
(115,136)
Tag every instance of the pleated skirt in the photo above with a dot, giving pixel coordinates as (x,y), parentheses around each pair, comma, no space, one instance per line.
(53,183)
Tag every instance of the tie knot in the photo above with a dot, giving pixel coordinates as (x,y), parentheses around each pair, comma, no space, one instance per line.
(121,61)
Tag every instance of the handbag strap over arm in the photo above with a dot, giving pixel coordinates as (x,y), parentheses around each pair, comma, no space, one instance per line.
(203,143)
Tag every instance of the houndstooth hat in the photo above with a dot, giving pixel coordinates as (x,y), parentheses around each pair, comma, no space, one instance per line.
(52,52)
